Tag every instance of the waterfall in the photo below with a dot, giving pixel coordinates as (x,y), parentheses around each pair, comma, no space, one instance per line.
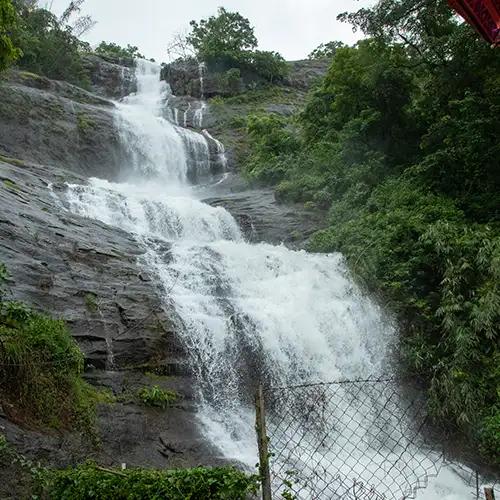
(221,150)
(201,72)
(249,311)
(198,115)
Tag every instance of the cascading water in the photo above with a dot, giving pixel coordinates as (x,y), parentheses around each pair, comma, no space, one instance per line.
(249,311)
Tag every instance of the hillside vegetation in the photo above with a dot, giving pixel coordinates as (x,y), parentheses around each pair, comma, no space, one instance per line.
(400,143)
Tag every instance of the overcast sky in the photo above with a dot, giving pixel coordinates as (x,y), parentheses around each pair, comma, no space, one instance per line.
(292,27)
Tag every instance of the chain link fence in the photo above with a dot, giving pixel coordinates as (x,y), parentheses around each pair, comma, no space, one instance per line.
(361,439)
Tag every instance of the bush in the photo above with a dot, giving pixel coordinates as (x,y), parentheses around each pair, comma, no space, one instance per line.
(128,53)
(271,140)
(156,396)
(269,65)
(8,52)
(89,481)
(230,81)
(40,370)
(49,48)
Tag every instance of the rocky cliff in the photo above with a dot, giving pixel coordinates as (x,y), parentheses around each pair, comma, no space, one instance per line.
(53,133)
(204,99)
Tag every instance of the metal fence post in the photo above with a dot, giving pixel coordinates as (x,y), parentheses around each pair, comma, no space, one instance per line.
(262,442)
(489,493)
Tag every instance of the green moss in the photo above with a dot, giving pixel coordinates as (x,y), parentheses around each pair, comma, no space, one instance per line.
(27,75)
(10,184)
(91,302)
(12,161)
(155,376)
(84,123)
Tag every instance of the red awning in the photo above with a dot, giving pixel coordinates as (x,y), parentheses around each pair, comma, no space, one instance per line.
(484,15)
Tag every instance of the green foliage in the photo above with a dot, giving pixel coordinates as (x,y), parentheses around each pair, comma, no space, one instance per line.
(326,50)
(91,302)
(230,81)
(156,396)
(269,65)
(89,481)
(8,52)
(40,369)
(489,435)
(400,142)
(111,49)
(85,124)
(48,47)
(271,142)
(227,41)
(227,34)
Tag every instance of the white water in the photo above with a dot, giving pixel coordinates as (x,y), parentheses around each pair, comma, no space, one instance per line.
(249,312)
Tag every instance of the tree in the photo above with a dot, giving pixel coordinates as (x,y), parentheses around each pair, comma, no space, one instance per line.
(8,52)
(80,24)
(269,65)
(400,142)
(226,34)
(113,49)
(326,50)
(424,26)
(49,47)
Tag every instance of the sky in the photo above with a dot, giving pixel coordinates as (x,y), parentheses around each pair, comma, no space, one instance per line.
(292,27)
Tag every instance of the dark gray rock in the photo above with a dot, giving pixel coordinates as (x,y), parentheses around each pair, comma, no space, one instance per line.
(262,218)
(113,78)
(83,271)
(58,124)
(188,78)
(304,74)
(184,78)
(129,432)
(188,112)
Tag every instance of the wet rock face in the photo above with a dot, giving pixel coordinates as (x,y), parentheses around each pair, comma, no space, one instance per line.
(263,219)
(303,74)
(113,78)
(58,124)
(184,78)
(83,271)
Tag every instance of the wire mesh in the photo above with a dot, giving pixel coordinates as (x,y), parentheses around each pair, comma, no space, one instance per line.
(365,439)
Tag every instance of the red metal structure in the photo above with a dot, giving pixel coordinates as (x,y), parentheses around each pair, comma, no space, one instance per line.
(484,15)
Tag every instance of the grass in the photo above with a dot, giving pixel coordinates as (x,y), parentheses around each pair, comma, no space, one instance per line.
(157,397)
(91,302)
(84,123)
(41,369)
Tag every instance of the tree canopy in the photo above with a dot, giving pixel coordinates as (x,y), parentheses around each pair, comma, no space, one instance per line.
(227,40)
(400,143)
(8,52)
(49,46)
(326,50)
(227,33)
(115,50)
